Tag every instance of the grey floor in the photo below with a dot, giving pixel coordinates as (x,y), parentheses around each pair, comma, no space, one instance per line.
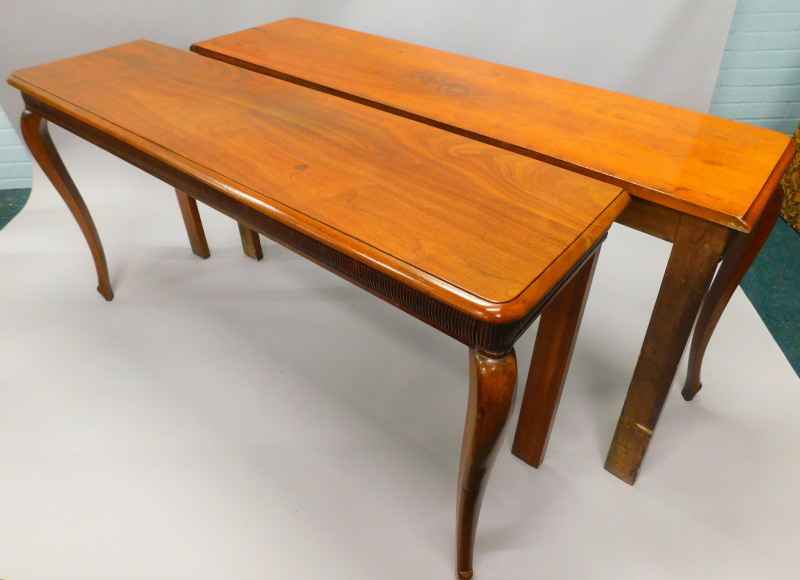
(232,419)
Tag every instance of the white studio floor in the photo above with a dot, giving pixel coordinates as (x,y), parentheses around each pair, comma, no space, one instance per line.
(231,419)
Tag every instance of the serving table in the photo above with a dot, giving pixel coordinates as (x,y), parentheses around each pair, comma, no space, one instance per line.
(470,238)
(709,186)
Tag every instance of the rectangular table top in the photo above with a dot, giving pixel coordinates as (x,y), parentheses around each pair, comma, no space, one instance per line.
(698,164)
(482,229)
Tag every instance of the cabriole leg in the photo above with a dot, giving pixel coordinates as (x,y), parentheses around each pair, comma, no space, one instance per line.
(491,396)
(738,257)
(37,137)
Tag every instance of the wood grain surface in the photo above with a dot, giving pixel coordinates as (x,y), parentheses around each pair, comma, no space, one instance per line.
(482,229)
(698,164)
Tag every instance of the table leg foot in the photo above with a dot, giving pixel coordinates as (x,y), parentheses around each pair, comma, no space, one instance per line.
(555,340)
(737,259)
(491,396)
(697,248)
(693,384)
(37,138)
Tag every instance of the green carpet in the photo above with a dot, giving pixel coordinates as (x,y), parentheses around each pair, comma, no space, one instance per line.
(11,203)
(773,286)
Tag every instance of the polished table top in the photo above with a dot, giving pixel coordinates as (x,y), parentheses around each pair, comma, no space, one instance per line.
(480,228)
(707,185)
(698,164)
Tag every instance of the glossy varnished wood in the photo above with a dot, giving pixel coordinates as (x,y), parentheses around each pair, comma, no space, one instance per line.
(476,333)
(696,251)
(482,229)
(160,110)
(555,341)
(675,162)
(492,383)
(698,164)
(37,138)
(194,226)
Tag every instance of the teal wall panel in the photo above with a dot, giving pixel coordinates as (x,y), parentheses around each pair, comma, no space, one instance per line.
(759,78)
(15,163)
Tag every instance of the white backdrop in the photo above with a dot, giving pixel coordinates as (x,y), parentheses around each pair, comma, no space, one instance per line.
(665,50)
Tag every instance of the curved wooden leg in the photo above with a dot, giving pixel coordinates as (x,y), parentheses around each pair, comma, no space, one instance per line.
(37,137)
(736,260)
(251,244)
(194,227)
(555,340)
(491,396)
(696,251)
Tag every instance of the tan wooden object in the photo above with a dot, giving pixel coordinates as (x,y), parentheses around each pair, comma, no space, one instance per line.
(676,163)
(705,166)
(486,230)
(469,238)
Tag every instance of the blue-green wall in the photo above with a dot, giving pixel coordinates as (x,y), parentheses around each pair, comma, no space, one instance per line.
(15,164)
(759,79)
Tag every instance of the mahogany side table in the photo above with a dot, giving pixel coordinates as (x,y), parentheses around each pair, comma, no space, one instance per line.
(472,239)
